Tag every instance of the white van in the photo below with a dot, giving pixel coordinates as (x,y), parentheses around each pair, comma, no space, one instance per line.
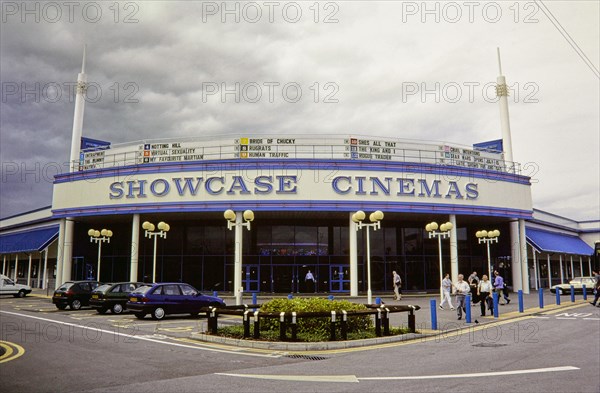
(8,287)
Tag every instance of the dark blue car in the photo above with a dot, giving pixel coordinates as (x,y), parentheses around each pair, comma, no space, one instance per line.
(167,298)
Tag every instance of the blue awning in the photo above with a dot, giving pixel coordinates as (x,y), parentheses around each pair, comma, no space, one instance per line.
(557,242)
(27,241)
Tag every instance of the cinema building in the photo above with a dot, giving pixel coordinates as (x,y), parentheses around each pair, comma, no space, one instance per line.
(303,192)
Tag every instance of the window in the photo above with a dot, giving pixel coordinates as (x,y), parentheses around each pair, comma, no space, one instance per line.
(172,290)
(188,290)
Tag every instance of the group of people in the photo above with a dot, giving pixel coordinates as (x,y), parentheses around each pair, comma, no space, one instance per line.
(481,290)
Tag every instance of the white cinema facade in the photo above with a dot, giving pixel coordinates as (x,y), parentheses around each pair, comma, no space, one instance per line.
(303,192)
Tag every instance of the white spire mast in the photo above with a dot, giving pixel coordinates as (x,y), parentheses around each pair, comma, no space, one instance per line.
(78,116)
(502,93)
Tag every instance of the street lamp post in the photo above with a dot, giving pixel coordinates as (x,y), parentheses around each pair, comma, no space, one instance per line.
(234,220)
(99,237)
(375,219)
(444,232)
(163,228)
(488,237)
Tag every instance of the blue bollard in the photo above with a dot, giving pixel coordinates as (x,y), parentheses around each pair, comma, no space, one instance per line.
(468,308)
(541,297)
(572,294)
(584,292)
(495,297)
(433,308)
(215,294)
(330,297)
(378,300)
(520,296)
(557,297)
(254,298)
(290,296)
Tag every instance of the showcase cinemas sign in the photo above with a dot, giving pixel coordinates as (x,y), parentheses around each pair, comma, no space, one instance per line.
(232,185)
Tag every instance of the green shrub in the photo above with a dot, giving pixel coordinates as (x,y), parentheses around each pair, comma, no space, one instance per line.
(315,329)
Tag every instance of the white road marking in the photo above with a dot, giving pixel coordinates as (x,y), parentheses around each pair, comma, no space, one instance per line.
(298,378)
(564,318)
(354,378)
(134,337)
(592,319)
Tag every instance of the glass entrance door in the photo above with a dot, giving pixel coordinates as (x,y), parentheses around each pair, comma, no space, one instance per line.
(339,278)
(283,278)
(251,278)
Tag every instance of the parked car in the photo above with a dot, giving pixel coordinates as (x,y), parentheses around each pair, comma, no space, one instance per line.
(163,299)
(578,283)
(74,294)
(9,287)
(112,296)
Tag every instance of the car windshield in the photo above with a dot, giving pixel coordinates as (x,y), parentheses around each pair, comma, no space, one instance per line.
(142,290)
(65,286)
(102,288)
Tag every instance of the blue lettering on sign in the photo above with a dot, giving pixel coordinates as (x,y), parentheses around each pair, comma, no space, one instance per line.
(407,187)
(187,185)
(472,192)
(285,185)
(379,184)
(262,185)
(209,183)
(116,190)
(139,188)
(238,184)
(336,187)
(155,186)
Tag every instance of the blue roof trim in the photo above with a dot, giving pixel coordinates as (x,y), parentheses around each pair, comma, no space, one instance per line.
(26,241)
(316,164)
(286,205)
(554,242)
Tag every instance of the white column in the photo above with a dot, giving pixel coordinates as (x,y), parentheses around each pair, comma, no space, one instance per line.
(16,267)
(60,255)
(562,273)
(572,271)
(590,265)
(515,257)
(549,272)
(581,266)
(29,272)
(352,233)
(39,276)
(536,270)
(135,248)
(237,267)
(68,250)
(4,264)
(453,248)
(524,260)
(45,275)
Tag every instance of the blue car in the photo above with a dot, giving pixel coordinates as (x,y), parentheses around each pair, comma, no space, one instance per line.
(166,298)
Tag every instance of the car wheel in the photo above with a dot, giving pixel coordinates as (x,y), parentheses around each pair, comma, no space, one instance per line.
(61,306)
(158,313)
(139,315)
(75,304)
(117,308)
(21,294)
(101,310)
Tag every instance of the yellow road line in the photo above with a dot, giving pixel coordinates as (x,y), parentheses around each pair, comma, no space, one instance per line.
(10,347)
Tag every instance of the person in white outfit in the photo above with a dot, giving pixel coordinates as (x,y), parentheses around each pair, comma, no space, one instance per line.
(446,290)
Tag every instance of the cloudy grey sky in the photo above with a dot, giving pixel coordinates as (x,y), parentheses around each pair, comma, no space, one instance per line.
(417,70)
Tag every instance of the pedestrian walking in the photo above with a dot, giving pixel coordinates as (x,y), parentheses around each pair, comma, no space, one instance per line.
(484,291)
(462,289)
(446,289)
(596,289)
(499,288)
(397,281)
(474,283)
